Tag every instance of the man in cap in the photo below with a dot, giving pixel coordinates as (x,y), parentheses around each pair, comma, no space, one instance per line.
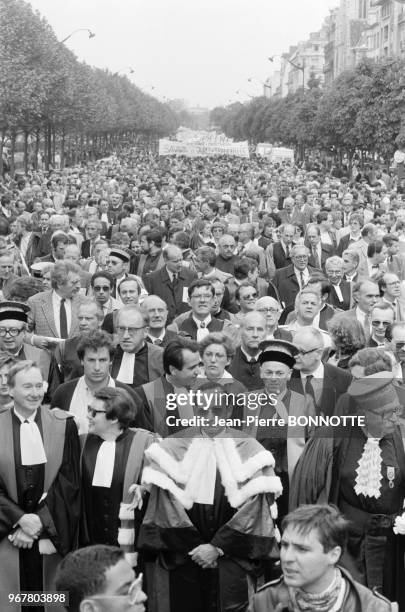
(361,469)
(39,472)
(118,265)
(15,342)
(285,440)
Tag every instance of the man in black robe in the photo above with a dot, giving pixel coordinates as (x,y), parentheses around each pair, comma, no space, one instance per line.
(112,461)
(39,485)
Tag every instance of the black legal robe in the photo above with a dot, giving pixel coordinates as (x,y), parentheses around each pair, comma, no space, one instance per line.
(60,513)
(101,505)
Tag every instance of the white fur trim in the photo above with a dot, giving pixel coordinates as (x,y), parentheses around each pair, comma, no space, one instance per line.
(151,476)
(274,511)
(126,512)
(126,537)
(244,471)
(262,484)
(132,559)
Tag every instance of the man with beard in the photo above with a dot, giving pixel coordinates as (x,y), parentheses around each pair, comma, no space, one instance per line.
(152,257)
(39,472)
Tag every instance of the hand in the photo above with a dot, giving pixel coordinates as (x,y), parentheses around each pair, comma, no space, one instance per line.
(205,555)
(138,492)
(31,524)
(19,539)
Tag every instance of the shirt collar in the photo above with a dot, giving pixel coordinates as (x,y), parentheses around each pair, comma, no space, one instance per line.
(318,373)
(206,321)
(250,357)
(30,419)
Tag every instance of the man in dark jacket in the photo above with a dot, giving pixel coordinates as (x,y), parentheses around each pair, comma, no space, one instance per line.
(314,538)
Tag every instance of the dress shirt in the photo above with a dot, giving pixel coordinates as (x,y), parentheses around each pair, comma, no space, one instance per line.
(56,302)
(81,398)
(363,318)
(24,244)
(250,358)
(338,292)
(372,268)
(202,330)
(316,380)
(305,275)
(326,238)
(160,337)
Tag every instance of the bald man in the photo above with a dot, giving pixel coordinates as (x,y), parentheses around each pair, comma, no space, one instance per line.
(171,282)
(271,311)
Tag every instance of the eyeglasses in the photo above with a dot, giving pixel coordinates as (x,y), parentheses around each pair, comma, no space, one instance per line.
(378,323)
(272,310)
(252,296)
(207,296)
(12,331)
(399,345)
(103,288)
(302,352)
(131,330)
(92,411)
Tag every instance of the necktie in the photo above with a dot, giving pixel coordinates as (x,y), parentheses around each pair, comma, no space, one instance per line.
(114,289)
(315,257)
(202,325)
(157,342)
(302,280)
(174,281)
(63,319)
(287,252)
(309,390)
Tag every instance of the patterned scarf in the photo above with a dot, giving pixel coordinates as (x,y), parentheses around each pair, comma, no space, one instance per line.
(316,602)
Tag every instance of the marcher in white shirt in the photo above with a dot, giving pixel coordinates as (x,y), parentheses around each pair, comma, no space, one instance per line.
(308,306)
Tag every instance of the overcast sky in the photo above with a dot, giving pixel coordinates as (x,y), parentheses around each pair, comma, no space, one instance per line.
(200,50)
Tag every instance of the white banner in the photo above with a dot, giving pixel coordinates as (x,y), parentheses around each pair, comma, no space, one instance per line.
(191,149)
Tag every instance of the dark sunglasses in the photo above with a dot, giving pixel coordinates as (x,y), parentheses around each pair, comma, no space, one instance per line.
(92,411)
(104,288)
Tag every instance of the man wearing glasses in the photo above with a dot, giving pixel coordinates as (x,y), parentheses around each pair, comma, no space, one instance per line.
(102,284)
(136,361)
(171,282)
(391,288)
(98,578)
(382,317)
(13,342)
(322,383)
(199,323)
(95,352)
(271,310)
(292,279)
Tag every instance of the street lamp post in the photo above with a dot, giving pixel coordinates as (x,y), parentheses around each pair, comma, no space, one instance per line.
(91,34)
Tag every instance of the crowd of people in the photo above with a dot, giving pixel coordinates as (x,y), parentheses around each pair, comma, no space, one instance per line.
(177,336)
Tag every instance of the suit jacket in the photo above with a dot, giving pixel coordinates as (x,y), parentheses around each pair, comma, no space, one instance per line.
(32,248)
(66,356)
(397,265)
(297,217)
(159,283)
(189,327)
(327,251)
(154,363)
(41,319)
(344,243)
(335,383)
(247,373)
(152,406)
(167,338)
(346,290)
(277,254)
(287,284)
(64,393)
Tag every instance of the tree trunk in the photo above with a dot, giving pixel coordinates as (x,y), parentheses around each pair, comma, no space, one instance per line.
(25,161)
(62,150)
(12,151)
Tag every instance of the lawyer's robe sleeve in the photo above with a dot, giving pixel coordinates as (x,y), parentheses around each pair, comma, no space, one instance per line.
(60,510)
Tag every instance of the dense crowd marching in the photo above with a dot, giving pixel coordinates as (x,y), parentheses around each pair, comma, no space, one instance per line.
(177,336)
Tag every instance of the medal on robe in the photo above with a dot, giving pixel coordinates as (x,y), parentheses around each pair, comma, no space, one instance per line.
(390,476)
